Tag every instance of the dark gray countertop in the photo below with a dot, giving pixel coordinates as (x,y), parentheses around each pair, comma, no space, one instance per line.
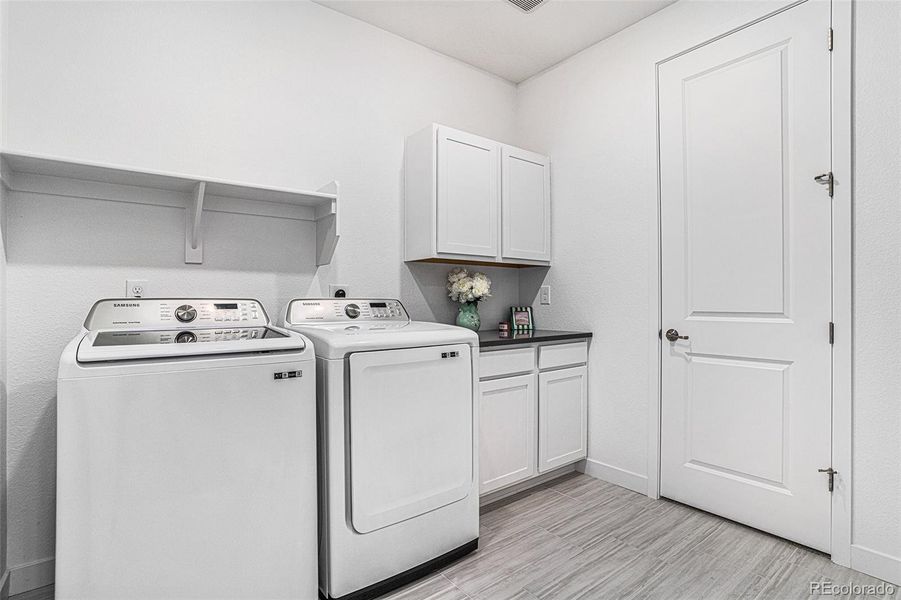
(488,339)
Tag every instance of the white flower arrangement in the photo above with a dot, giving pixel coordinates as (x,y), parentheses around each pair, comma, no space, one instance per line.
(463,287)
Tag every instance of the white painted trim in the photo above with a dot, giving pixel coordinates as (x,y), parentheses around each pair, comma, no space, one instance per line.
(877,564)
(842,166)
(4,585)
(655,319)
(617,476)
(31,575)
(842,282)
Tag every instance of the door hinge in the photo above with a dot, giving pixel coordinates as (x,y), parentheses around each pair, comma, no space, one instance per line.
(832,473)
(826,179)
(829,40)
(831,332)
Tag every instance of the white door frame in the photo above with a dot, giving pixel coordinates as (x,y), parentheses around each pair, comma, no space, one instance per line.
(842,12)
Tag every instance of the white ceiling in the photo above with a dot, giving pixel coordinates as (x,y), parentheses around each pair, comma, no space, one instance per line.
(495,35)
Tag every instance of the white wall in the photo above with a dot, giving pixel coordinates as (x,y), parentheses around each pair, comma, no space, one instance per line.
(595,115)
(877,288)
(284,94)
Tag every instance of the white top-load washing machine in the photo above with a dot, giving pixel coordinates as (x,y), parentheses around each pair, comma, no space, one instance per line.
(186,449)
(398,465)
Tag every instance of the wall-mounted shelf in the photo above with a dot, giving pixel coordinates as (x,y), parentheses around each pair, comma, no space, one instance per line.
(23,172)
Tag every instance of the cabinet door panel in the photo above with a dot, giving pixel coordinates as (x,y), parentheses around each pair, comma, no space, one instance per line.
(507,415)
(526,200)
(468,194)
(562,417)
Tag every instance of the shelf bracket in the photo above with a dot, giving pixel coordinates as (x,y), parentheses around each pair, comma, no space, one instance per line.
(193,233)
(327,229)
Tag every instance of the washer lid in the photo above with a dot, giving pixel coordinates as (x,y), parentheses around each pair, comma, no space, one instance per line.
(136,328)
(113,345)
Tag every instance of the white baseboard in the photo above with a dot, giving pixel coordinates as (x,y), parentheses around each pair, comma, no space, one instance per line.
(492,497)
(875,563)
(31,576)
(615,475)
(4,586)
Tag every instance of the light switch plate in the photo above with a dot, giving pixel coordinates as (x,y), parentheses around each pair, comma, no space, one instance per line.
(544,295)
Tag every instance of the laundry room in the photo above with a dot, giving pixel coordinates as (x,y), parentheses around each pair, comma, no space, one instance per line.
(505,299)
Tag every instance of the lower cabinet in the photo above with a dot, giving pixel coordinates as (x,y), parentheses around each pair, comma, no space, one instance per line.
(532,419)
(562,417)
(507,418)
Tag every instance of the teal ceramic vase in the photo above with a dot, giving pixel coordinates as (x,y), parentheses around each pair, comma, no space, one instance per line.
(468,316)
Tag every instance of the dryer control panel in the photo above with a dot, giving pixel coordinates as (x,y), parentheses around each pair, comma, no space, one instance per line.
(177,313)
(345,310)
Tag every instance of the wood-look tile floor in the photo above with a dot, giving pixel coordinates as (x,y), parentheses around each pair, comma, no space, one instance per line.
(581,538)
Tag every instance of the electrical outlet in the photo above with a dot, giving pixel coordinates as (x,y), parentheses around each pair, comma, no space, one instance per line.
(544,294)
(337,290)
(135,288)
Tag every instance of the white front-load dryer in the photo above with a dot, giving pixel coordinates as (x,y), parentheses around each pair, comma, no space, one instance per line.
(398,463)
(186,455)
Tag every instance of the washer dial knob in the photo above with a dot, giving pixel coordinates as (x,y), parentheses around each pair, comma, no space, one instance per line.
(352,311)
(185,337)
(185,313)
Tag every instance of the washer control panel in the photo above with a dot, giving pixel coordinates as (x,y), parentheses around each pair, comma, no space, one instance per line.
(129,337)
(163,313)
(343,310)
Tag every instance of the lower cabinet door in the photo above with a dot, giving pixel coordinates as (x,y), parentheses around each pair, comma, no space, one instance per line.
(562,417)
(507,416)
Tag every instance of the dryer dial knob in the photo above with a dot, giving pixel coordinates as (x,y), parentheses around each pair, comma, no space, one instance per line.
(185,313)
(185,337)
(352,311)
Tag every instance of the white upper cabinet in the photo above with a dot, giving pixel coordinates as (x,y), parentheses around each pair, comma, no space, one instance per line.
(468,194)
(471,199)
(526,205)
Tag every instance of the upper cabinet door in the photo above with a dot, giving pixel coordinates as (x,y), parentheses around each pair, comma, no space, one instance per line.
(526,205)
(468,194)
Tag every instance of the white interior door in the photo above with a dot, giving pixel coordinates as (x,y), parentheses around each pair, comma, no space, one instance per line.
(745,245)
(526,202)
(468,194)
(411,432)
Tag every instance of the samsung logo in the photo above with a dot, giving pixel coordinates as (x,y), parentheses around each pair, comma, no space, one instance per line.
(125,304)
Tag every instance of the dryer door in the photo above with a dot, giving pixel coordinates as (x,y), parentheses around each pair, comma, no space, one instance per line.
(411,432)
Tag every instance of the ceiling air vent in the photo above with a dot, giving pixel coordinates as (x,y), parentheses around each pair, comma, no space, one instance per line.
(526,5)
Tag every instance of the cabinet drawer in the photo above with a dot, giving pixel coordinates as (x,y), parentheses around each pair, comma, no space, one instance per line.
(562,355)
(506,362)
